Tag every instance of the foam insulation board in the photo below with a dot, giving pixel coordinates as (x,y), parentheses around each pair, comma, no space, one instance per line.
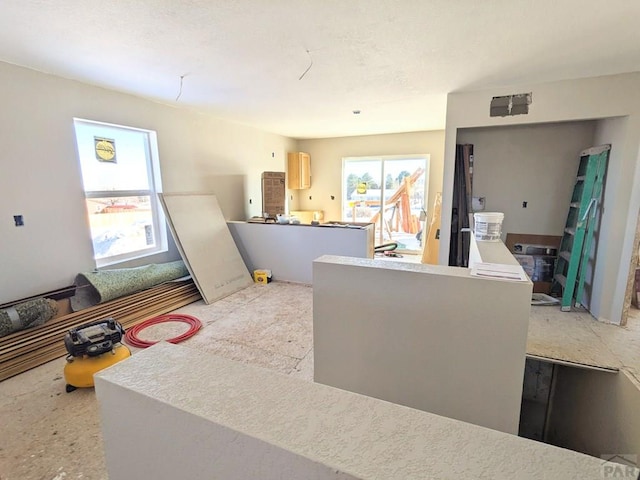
(205,243)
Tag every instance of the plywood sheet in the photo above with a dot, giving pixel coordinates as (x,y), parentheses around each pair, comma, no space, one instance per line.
(568,337)
(206,246)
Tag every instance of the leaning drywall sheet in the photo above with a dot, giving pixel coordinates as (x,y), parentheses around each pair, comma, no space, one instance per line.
(202,236)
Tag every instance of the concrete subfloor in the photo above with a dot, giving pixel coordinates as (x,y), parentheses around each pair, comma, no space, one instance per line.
(48,434)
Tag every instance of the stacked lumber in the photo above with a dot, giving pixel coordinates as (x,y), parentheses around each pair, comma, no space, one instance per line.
(27,349)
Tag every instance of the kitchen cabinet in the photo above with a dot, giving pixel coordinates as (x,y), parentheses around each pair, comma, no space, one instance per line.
(299,170)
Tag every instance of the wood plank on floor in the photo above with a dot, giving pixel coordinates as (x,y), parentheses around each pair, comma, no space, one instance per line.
(26,349)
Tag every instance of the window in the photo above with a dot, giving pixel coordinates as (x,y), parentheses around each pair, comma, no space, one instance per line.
(121,175)
(390,191)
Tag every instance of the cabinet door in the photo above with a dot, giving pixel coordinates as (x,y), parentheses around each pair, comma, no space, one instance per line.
(293,171)
(305,170)
(299,170)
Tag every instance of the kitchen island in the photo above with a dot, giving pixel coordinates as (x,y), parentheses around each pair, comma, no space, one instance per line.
(289,250)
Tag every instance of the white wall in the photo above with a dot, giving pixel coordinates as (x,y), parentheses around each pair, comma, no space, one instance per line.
(193,415)
(570,100)
(619,219)
(595,412)
(326,164)
(536,164)
(289,250)
(40,176)
(425,336)
(611,131)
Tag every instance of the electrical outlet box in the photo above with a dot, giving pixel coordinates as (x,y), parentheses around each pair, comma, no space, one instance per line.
(478,204)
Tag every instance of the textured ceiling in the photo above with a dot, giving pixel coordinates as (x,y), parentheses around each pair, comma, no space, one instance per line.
(395,61)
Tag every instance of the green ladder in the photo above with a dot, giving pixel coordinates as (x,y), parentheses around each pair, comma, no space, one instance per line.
(577,239)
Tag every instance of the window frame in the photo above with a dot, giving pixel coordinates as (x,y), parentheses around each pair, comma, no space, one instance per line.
(383,159)
(154,178)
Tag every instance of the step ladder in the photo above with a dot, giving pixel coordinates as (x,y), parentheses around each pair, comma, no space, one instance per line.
(577,239)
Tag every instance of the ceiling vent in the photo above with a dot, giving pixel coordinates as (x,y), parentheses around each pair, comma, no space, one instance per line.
(510,105)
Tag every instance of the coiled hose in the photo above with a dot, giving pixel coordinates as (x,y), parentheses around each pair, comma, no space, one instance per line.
(131,335)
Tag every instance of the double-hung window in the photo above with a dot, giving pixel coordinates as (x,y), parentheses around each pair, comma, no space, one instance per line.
(121,176)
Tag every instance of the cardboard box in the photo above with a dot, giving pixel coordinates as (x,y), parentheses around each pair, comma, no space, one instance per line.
(273,193)
(526,244)
(535,253)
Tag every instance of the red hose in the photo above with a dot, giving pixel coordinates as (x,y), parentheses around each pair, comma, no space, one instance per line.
(131,334)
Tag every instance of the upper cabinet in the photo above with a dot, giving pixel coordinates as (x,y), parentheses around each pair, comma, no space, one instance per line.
(299,170)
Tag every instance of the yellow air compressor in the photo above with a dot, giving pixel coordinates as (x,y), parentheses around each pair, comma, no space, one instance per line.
(92,347)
